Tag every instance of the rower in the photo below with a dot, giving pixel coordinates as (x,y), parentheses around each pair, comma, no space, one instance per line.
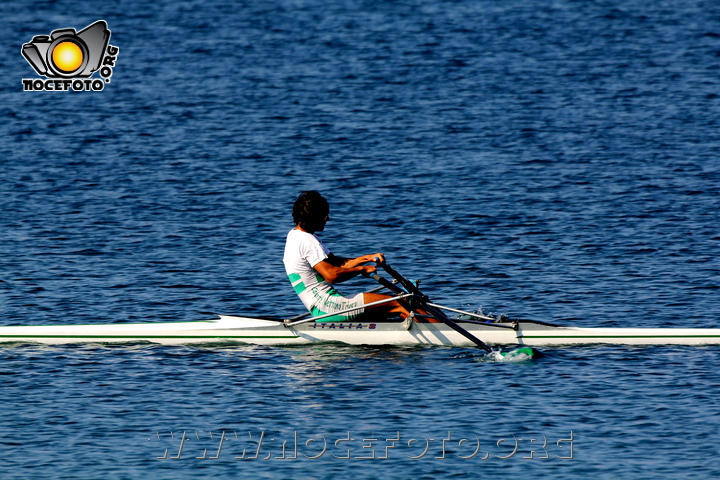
(313,269)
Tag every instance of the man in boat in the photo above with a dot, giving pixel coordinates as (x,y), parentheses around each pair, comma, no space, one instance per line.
(313,270)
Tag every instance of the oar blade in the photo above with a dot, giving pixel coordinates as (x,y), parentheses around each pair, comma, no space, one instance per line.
(522,353)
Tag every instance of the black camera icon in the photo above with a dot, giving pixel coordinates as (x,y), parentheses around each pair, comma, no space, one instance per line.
(66,53)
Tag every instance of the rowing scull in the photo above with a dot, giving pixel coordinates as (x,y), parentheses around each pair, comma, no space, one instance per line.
(468,330)
(274,332)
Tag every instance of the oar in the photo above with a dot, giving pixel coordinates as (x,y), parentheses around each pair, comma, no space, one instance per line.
(432,308)
(423,301)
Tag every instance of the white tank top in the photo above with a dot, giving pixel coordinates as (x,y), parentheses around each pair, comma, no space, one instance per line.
(303,251)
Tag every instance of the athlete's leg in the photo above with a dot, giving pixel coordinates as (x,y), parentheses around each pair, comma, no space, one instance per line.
(385,308)
(398,308)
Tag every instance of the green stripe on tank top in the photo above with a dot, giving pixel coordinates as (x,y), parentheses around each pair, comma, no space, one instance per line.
(316,312)
(299,287)
(332,292)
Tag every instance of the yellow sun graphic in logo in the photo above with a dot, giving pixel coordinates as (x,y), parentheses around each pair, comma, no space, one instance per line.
(67,56)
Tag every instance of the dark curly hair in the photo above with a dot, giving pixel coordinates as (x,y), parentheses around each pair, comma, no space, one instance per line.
(309,208)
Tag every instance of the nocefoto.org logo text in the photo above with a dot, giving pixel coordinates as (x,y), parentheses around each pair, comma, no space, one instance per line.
(68,59)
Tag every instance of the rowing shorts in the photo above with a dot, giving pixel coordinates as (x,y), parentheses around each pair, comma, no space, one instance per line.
(333,301)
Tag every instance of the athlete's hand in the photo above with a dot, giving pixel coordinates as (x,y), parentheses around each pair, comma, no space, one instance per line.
(378,258)
(368,270)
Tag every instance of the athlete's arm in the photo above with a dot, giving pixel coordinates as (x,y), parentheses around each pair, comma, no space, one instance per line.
(378,258)
(334,274)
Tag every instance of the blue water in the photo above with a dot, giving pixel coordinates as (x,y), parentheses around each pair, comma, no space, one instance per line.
(548,160)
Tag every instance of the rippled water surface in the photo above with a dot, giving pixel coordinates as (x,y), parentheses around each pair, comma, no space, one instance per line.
(549,160)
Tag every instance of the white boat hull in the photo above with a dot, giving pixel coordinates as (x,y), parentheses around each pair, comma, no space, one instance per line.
(270,332)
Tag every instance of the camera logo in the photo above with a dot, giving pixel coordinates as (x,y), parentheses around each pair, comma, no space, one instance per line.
(68,59)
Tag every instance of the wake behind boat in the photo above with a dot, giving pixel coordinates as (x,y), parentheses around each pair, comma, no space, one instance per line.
(467,330)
